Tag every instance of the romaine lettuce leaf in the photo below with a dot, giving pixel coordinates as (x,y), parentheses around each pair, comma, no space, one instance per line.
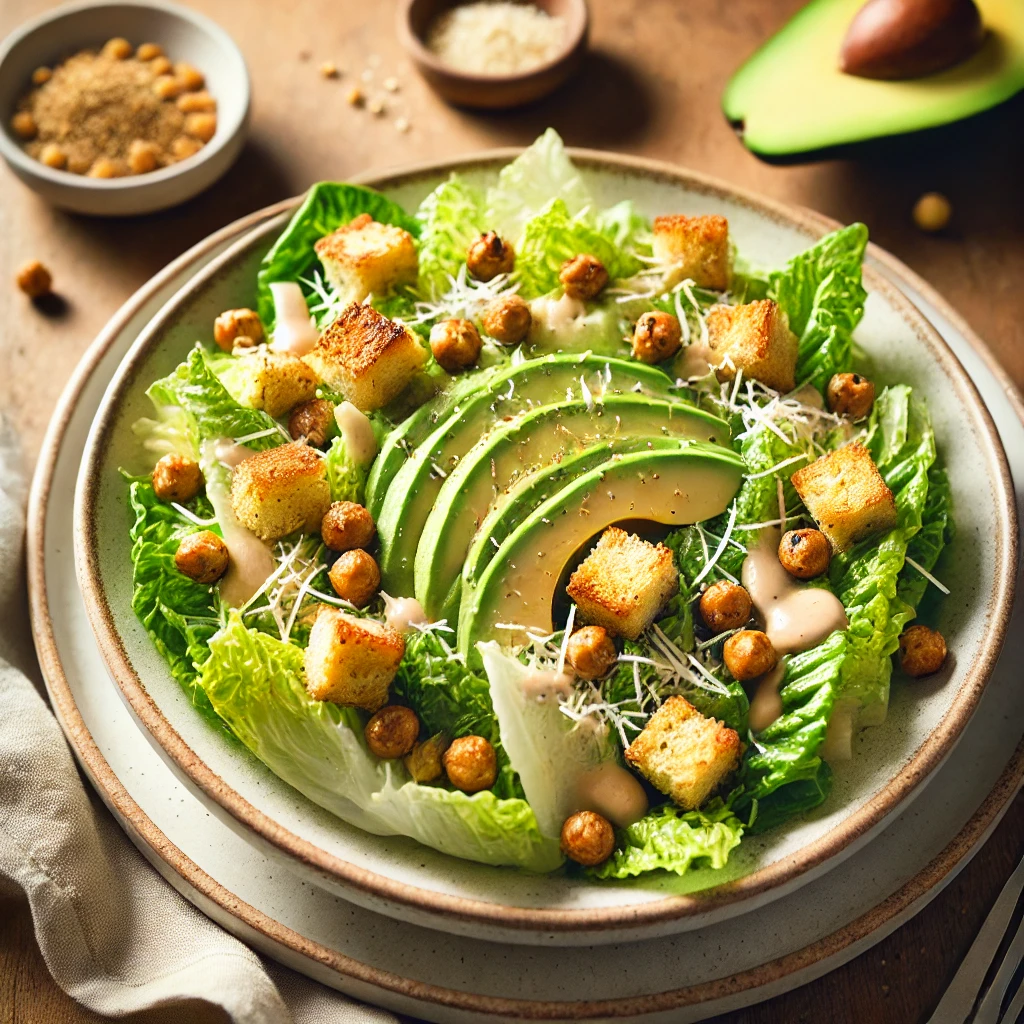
(256,684)
(926,545)
(346,477)
(452,219)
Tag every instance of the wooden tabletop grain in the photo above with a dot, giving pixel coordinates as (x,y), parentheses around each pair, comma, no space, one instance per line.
(650,86)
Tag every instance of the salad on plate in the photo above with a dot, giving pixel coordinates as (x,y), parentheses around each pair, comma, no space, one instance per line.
(543,534)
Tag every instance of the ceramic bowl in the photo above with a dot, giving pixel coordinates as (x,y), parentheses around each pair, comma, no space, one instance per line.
(892,762)
(185,36)
(493,91)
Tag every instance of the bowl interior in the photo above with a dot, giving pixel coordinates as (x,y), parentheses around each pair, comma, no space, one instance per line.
(890,761)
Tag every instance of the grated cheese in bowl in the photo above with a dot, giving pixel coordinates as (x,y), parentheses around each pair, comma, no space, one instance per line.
(495,37)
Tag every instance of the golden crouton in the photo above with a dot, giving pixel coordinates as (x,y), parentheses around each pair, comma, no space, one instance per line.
(351,661)
(276,381)
(696,247)
(366,257)
(623,583)
(683,754)
(756,339)
(846,495)
(281,490)
(367,357)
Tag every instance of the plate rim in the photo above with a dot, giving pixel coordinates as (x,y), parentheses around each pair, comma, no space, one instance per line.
(775,878)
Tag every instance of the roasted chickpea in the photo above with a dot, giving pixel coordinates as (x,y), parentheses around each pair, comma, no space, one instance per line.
(749,654)
(177,478)
(167,87)
(160,65)
(657,336)
(725,605)
(104,167)
(202,557)
(312,420)
(392,732)
(53,156)
(347,526)
(456,344)
(34,279)
(922,651)
(587,838)
(41,75)
(195,102)
(423,763)
(143,156)
(202,126)
(149,51)
(591,652)
(355,577)
(234,324)
(489,256)
(117,48)
(507,319)
(191,78)
(804,553)
(932,212)
(183,147)
(471,764)
(583,276)
(850,394)
(23,124)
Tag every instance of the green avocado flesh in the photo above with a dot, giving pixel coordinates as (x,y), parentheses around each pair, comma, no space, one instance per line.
(687,485)
(536,438)
(416,479)
(791,98)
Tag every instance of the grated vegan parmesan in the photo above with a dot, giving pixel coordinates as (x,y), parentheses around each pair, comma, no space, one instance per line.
(495,37)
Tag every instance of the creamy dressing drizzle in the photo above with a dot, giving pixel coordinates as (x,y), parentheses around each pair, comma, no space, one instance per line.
(294,330)
(230,453)
(694,361)
(611,790)
(808,394)
(357,433)
(838,742)
(557,315)
(766,704)
(541,685)
(403,613)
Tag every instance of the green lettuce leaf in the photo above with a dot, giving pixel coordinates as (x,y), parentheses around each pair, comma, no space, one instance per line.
(625,228)
(256,684)
(937,530)
(452,219)
(327,206)
(346,477)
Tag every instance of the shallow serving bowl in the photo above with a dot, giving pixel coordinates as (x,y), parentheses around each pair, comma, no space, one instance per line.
(401,878)
(185,36)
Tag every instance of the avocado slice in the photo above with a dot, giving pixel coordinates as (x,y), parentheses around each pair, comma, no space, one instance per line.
(687,485)
(790,99)
(532,383)
(536,438)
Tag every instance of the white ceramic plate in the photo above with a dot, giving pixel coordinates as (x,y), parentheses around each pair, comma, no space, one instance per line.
(409,969)
(401,878)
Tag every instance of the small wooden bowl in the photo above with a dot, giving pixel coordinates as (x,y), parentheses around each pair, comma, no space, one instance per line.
(493,92)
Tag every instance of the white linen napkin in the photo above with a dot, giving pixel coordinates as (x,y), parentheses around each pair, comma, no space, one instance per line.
(114,935)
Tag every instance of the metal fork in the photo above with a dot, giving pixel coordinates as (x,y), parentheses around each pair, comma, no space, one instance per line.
(987,989)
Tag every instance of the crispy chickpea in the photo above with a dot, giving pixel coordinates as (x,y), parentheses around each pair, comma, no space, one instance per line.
(749,654)
(233,324)
(392,732)
(183,147)
(423,763)
(347,526)
(591,652)
(177,478)
(922,651)
(195,102)
(104,167)
(850,394)
(117,48)
(355,577)
(932,211)
(149,51)
(143,156)
(313,421)
(489,256)
(471,764)
(804,553)
(725,605)
(34,279)
(191,78)
(583,276)
(41,76)
(657,336)
(160,65)
(456,344)
(23,124)
(587,838)
(53,156)
(507,319)
(167,87)
(202,126)
(202,557)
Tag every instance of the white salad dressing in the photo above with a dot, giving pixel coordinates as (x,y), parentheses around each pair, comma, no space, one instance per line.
(838,743)
(611,790)
(558,316)
(230,453)
(541,685)
(694,361)
(403,613)
(808,394)
(766,704)
(251,561)
(357,433)
(294,330)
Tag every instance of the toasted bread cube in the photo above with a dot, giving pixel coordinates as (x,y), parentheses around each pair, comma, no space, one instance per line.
(366,257)
(846,495)
(276,382)
(683,754)
(756,339)
(281,490)
(623,583)
(696,248)
(367,357)
(351,661)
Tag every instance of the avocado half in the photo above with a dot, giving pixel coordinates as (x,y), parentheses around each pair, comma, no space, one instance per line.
(790,100)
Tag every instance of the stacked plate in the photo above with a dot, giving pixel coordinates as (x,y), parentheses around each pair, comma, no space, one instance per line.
(397,924)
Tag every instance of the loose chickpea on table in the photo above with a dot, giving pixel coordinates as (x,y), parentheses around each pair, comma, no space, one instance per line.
(34,279)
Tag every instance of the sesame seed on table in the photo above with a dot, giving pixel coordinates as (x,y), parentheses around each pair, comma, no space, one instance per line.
(634,95)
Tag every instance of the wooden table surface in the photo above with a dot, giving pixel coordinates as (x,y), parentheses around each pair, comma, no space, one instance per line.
(650,86)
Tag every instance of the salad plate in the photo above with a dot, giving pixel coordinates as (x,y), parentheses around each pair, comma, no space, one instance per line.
(400,877)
